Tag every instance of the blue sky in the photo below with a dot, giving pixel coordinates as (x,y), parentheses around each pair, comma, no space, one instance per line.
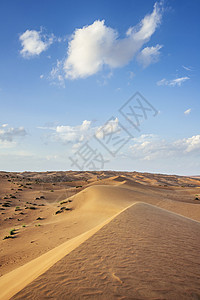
(67,67)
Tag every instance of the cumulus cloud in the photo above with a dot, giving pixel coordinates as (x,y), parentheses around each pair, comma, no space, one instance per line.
(174,82)
(80,133)
(150,146)
(188,111)
(190,144)
(149,55)
(34,42)
(96,45)
(110,127)
(8,135)
(71,134)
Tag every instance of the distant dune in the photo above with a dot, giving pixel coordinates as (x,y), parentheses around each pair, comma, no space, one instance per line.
(99,235)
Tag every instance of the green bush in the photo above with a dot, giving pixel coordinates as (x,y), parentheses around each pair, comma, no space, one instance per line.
(12,231)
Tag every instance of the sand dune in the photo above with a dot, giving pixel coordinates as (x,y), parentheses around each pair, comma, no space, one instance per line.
(16,280)
(143,253)
(95,247)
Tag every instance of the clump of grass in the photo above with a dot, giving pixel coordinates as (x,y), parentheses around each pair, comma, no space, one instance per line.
(8,237)
(64,201)
(37,225)
(6,205)
(52,191)
(62,209)
(79,186)
(17,208)
(23,225)
(12,231)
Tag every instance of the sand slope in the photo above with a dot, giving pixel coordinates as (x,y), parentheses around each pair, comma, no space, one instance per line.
(143,253)
(97,205)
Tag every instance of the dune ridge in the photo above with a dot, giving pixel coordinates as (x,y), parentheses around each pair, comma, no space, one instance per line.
(88,205)
(16,280)
(143,253)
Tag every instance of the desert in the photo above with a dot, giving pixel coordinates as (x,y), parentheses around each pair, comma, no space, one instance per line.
(94,235)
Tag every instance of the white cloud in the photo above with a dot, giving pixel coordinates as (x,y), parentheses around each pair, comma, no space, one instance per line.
(162,82)
(173,82)
(8,135)
(96,45)
(149,55)
(80,133)
(34,43)
(110,127)
(41,76)
(149,147)
(71,134)
(191,144)
(187,68)
(57,76)
(178,81)
(188,111)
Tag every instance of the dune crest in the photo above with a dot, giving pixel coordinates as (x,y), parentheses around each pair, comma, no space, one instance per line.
(74,219)
(143,253)
(16,280)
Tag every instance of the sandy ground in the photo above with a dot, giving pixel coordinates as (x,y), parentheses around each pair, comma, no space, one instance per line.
(43,249)
(144,253)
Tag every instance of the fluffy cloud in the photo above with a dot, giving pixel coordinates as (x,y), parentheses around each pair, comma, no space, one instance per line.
(149,55)
(188,111)
(149,147)
(173,82)
(8,135)
(96,45)
(80,133)
(34,43)
(110,127)
(190,144)
(71,134)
